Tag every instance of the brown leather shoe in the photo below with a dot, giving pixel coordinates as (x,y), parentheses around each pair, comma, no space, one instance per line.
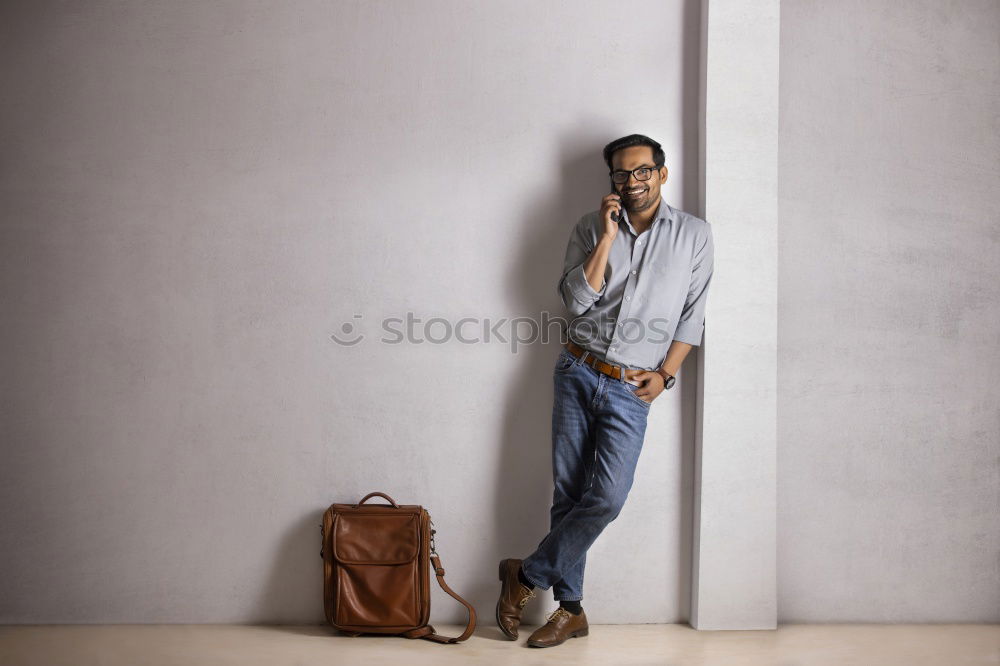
(513,596)
(561,625)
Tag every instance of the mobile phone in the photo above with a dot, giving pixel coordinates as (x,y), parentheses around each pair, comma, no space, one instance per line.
(615,216)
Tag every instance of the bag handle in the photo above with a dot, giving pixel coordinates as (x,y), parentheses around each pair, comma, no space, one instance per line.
(369,495)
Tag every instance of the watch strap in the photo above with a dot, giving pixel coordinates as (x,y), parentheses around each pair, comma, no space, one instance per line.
(666,377)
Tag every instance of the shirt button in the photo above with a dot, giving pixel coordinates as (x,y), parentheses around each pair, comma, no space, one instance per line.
(633,272)
(628,298)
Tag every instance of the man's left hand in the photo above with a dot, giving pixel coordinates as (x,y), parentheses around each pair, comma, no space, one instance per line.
(652,385)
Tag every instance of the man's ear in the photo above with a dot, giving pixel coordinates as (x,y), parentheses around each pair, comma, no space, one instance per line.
(663,173)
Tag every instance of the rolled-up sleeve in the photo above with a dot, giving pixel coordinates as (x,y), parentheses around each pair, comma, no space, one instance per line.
(691,324)
(574,290)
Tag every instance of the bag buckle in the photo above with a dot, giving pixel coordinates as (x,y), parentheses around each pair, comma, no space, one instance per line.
(433,545)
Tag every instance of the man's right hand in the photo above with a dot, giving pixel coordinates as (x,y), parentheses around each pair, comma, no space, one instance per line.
(611,203)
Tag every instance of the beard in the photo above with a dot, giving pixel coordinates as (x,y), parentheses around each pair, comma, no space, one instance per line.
(640,203)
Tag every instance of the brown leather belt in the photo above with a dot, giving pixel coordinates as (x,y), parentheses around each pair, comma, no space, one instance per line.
(613,371)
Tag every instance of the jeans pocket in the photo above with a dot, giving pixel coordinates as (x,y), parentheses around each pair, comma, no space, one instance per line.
(631,389)
(564,362)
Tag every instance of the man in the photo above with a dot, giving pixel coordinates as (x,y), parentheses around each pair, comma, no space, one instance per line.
(636,279)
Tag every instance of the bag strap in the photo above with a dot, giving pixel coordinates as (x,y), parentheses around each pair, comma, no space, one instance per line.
(427,631)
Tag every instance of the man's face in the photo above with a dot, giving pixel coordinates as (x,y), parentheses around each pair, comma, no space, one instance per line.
(638,195)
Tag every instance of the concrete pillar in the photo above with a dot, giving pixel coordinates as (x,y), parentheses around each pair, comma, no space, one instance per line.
(734,559)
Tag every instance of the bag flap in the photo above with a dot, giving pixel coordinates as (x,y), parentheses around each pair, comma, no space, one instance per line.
(375,538)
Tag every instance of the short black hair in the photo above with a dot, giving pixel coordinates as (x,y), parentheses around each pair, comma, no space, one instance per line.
(659,158)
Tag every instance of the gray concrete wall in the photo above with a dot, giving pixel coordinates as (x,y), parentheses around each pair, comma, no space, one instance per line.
(196,195)
(889,302)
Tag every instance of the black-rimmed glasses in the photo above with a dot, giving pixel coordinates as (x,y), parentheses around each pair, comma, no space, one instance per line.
(642,173)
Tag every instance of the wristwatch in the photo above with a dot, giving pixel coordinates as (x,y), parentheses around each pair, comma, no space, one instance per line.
(668,379)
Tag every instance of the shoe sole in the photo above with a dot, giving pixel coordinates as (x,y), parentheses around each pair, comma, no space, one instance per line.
(500,624)
(578,632)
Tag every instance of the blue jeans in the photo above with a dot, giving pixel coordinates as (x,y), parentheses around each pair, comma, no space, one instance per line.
(598,425)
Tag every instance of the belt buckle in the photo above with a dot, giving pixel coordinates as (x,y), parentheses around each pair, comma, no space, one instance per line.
(625,377)
(591,360)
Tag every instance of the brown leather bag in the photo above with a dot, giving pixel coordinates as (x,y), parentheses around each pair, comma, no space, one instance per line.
(375,570)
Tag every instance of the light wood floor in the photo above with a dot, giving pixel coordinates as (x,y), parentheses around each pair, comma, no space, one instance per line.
(673,644)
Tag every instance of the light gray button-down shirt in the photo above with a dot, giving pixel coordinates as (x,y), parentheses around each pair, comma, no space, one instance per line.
(654,291)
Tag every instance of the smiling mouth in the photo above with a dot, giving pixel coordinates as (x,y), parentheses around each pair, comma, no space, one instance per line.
(634,193)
